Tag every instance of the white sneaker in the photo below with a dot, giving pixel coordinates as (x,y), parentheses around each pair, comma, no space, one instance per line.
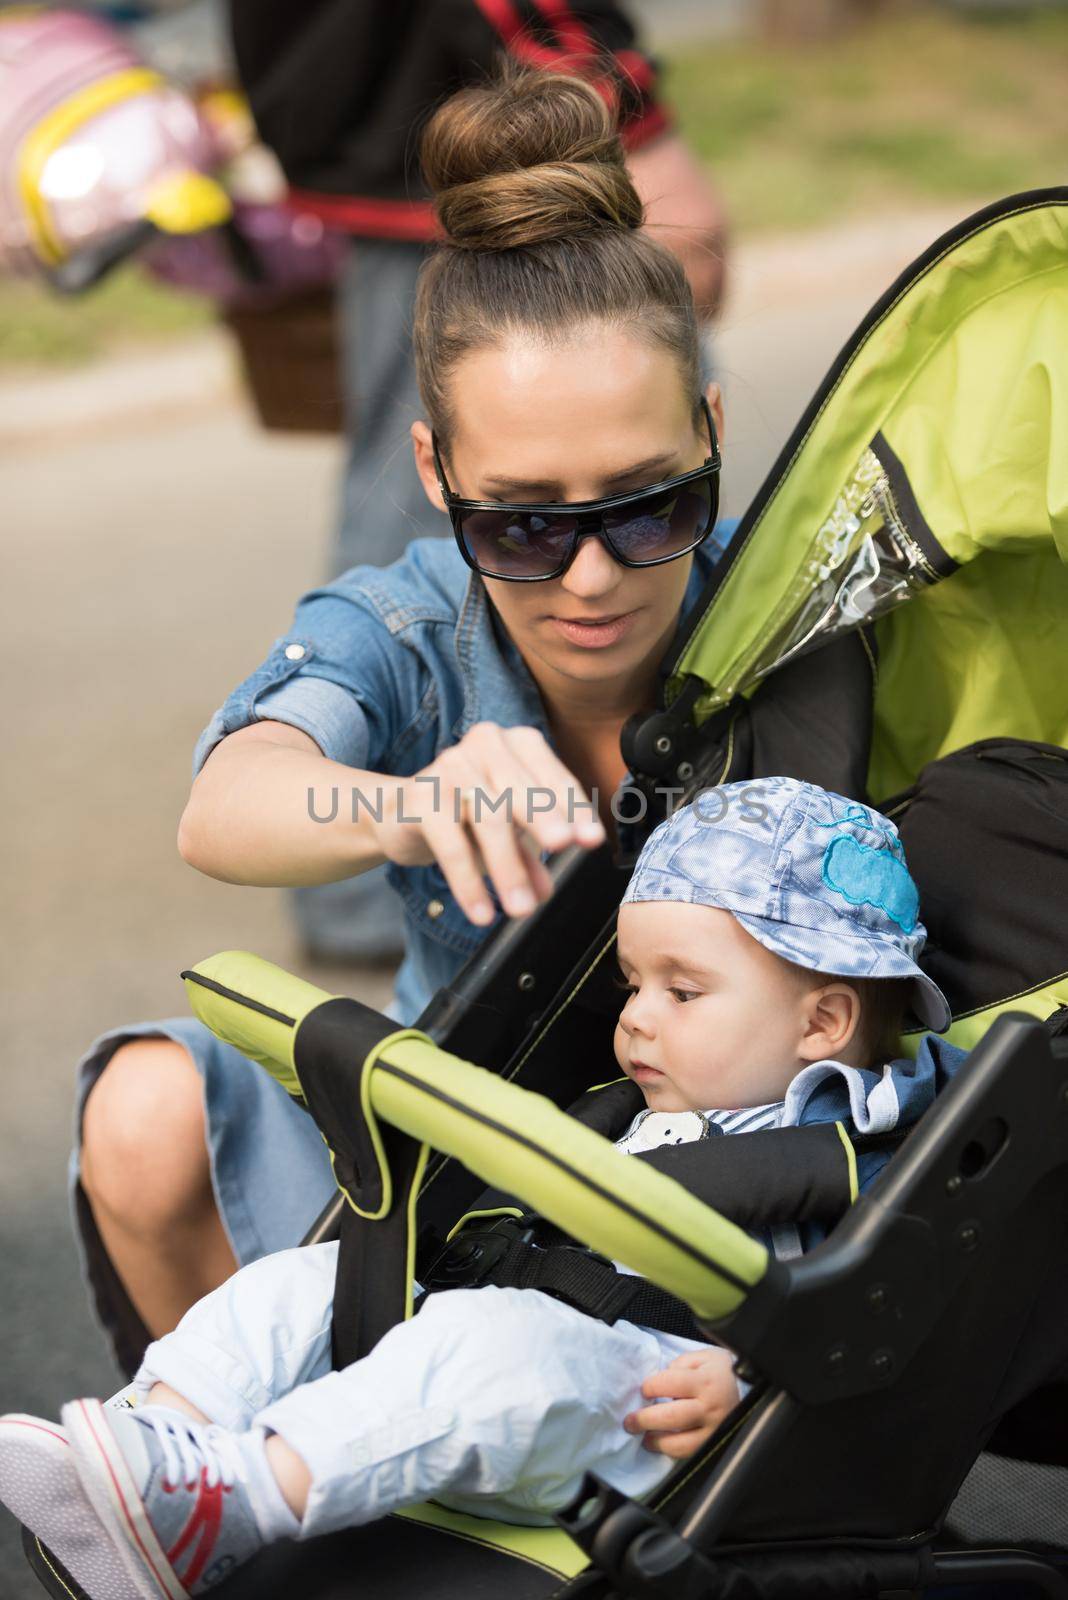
(171,1493)
(39,1483)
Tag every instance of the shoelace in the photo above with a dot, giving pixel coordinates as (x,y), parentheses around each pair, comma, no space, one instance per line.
(190,1448)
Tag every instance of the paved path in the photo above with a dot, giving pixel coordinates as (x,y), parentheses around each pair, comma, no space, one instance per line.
(153,541)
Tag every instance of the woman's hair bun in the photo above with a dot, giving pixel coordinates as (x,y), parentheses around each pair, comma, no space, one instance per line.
(532,156)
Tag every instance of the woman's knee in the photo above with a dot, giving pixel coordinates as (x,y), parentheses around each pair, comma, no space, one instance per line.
(144,1155)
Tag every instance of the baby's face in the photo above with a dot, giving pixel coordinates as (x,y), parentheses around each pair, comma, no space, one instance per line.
(713,1020)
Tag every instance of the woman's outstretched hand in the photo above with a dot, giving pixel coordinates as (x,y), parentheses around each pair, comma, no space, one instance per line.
(690,1398)
(487,807)
(269,808)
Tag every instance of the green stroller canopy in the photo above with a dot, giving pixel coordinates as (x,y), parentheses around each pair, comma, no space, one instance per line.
(933,457)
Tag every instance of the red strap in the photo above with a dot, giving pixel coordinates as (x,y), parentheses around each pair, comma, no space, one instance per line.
(570,30)
(379,219)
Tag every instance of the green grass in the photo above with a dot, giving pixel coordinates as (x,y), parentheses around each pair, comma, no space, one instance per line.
(40,328)
(918,107)
(914,108)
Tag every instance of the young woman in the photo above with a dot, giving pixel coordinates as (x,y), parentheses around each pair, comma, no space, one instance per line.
(557,355)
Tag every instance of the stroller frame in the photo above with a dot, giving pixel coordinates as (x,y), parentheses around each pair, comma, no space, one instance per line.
(845,1318)
(843,1323)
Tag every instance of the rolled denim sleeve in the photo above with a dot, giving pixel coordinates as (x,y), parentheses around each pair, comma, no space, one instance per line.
(338,675)
(329,714)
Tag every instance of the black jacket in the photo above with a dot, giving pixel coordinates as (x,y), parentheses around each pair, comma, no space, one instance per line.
(341,88)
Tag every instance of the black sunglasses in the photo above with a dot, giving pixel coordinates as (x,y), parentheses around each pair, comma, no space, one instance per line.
(644,528)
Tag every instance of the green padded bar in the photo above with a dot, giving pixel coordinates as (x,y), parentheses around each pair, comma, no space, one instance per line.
(520,1142)
(511,1138)
(255,1006)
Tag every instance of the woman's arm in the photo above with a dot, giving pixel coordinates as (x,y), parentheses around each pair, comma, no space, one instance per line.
(486,806)
(247,818)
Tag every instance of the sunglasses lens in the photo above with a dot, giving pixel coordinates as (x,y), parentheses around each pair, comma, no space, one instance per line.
(657,528)
(517,544)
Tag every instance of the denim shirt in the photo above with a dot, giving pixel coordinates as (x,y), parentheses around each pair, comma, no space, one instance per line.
(384,668)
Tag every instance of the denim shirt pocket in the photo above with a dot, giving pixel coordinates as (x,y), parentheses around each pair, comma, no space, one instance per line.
(416,745)
(431,909)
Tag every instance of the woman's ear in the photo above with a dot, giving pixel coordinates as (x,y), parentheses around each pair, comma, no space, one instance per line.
(832,1016)
(714,396)
(423,445)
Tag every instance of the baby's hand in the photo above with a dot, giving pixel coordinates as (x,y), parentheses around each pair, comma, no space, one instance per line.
(695,1393)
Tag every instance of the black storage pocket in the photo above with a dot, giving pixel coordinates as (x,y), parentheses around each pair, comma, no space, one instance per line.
(985,830)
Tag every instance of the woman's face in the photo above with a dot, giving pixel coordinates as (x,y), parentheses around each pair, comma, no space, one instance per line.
(595,416)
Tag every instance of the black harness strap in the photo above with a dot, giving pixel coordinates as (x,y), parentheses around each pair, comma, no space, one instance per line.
(506,1256)
(594,1286)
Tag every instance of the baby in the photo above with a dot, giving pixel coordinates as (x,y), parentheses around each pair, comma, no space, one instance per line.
(767,941)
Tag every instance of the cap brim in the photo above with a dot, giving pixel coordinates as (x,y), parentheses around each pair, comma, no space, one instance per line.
(837,954)
(929,1003)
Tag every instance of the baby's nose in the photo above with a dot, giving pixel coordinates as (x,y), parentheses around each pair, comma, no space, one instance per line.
(636,1016)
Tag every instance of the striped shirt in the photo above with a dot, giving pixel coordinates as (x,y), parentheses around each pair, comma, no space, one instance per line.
(651,1129)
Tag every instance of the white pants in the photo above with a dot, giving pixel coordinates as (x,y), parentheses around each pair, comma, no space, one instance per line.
(492,1401)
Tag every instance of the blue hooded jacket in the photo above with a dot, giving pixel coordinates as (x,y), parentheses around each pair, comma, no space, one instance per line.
(868,1101)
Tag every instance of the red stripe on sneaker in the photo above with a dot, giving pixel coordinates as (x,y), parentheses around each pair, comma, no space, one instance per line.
(204,1523)
(37,1427)
(164,1588)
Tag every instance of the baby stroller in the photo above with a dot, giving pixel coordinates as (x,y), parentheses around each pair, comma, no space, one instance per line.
(891,622)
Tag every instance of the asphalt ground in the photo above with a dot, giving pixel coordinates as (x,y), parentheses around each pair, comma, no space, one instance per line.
(150,555)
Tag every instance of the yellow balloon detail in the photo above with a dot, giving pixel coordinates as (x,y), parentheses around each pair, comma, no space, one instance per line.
(187,202)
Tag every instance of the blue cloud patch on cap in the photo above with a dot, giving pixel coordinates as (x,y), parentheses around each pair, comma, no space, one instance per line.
(869,877)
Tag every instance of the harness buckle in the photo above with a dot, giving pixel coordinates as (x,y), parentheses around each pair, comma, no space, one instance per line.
(469,1257)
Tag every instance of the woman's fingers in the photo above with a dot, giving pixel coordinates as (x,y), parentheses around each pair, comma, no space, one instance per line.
(544,798)
(486,808)
(506,863)
(445,831)
(472,840)
(518,798)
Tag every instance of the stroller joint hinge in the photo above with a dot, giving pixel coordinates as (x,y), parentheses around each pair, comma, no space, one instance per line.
(665,749)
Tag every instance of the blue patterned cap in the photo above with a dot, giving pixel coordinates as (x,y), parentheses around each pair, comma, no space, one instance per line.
(816,878)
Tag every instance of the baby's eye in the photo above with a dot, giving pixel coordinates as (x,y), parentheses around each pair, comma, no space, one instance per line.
(682,995)
(623,983)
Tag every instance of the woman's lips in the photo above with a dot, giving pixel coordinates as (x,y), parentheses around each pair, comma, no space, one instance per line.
(594,633)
